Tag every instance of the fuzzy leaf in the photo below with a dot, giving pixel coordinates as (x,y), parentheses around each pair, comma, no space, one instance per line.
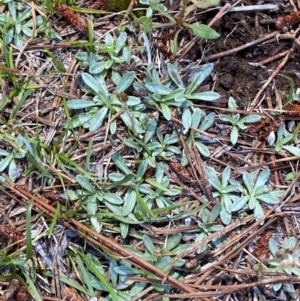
(171,139)
(166,111)
(262,178)
(248,181)
(159,173)
(232,103)
(294,150)
(202,149)
(234,135)
(203,73)
(207,121)
(124,229)
(273,246)
(97,120)
(113,198)
(226,176)
(5,162)
(80,104)
(92,83)
(97,68)
(173,241)
(251,118)
(215,182)
(206,96)
(120,163)
(227,202)
(158,88)
(252,202)
(129,202)
(290,243)
(225,216)
(196,117)
(149,244)
(214,213)
(202,31)
(125,82)
(174,75)
(186,118)
(277,286)
(239,204)
(268,199)
(226,118)
(85,184)
(258,212)
(126,271)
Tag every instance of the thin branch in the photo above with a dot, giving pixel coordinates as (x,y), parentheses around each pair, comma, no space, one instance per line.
(274,73)
(231,51)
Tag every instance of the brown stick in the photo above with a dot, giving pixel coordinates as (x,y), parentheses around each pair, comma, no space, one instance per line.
(231,51)
(270,59)
(129,8)
(223,289)
(274,73)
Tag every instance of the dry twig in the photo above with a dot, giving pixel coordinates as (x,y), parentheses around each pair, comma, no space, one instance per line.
(274,73)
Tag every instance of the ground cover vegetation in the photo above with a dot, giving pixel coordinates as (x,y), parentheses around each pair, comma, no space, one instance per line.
(149,151)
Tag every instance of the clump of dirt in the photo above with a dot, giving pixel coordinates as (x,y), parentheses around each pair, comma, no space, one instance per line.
(235,73)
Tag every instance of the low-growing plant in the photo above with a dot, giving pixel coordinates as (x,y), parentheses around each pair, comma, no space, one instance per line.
(118,53)
(256,192)
(163,96)
(91,197)
(18,23)
(154,146)
(159,259)
(200,30)
(161,195)
(158,193)
(87,60)
(103,105)
(236,121)
(163,145)
(10,158)
(208,226)
(285,260)
(202,122)
(284,138)
(227,192)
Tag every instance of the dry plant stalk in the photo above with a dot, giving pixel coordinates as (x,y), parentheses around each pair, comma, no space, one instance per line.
(71,294)
(98,4)
(22,294)
(71,17)
(181,171)
(274,73)
(289,20)
(8,231)
(10,291)
(261,250)
(293,109)
(264,127)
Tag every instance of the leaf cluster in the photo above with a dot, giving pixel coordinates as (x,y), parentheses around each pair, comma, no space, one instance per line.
(246,195)
(18,23)
(236,121)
